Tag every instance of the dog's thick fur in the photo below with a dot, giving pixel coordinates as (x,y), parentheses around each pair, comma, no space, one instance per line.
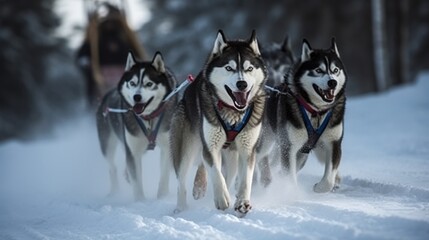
(317,80)
(230,84)
(142,89)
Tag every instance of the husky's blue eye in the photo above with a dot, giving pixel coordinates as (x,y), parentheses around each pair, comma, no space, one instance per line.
(335,70)
(149,84)
(318,70)
(228,68)
(249,69)
(133,84)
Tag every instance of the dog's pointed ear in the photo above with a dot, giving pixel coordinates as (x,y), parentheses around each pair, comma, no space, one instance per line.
(253,42)
(334,47)
(131,61)
(286,45)
(220,43)
(158,62)
(306,50)
(287,48)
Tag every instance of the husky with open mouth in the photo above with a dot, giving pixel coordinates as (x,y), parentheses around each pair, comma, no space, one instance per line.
(306,113)
(220,115)
(142,122)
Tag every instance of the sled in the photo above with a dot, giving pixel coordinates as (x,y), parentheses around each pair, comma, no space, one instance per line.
(106,45)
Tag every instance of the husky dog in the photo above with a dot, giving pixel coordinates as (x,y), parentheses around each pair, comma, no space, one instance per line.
(307,114)
(278,58)
(220,114)
(142,90)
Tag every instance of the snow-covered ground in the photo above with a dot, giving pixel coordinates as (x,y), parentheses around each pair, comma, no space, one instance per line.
(55,187)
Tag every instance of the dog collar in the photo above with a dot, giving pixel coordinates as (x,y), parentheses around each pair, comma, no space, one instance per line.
(221,105)
(301,101)
(155,113)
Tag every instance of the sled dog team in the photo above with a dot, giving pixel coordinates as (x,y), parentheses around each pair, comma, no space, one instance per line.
(247,107)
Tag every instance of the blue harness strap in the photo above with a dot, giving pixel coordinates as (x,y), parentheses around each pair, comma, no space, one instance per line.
(232,131)
(149,133)
(313,134)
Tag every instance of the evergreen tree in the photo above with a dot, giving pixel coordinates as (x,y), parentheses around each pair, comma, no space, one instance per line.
(37,75)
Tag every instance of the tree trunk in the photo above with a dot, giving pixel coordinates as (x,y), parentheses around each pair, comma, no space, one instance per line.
(379,44)
(404,46)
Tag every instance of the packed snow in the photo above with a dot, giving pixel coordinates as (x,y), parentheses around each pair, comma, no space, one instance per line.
(56,187)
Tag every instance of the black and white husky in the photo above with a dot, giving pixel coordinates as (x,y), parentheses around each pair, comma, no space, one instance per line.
(306,114)
(143,123)
(220,114)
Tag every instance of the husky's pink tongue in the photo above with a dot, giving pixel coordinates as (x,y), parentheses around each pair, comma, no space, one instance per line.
(139,108)
(240,98)
(329,94)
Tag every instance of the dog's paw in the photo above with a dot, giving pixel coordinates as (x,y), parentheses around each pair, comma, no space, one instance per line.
(200,183)
(266,181)
(162,193)
(335,188)
(177,211)
(180,208)
(323,187)
(222,201)
(242,207)
(198,192)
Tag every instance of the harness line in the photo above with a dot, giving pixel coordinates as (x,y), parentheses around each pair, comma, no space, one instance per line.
(184,84)
(313,134)
(148,132)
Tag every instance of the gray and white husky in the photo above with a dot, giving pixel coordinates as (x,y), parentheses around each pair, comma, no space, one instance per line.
(143,122)
(279,58)
(307,113)
(220,114)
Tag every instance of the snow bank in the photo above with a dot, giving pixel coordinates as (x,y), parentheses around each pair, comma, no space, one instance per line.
(55,188)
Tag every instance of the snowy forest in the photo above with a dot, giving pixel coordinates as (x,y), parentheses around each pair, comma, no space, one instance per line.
(383,44)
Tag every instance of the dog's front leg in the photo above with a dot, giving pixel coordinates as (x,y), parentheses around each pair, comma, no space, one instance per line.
(213,163)
(330,155)
(134,152)
(213,138)
(246,166)
(230,163)
(135,172)
(165,167)
(288,156)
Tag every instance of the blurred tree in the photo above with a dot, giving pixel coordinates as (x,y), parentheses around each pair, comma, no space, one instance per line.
(379,44)
(184,31)
(418,36)
(38,81)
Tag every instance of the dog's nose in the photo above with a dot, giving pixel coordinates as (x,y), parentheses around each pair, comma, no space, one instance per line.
(332,83)
(137,97)
(241,85)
